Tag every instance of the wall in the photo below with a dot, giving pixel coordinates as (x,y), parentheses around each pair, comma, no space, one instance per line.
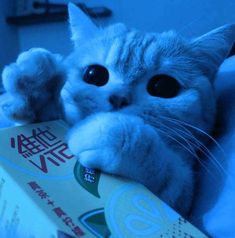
(9,46)
(53,36)
(190,17)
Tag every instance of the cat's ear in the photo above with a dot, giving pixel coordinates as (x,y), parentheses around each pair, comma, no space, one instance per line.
(212,48)
(82,27)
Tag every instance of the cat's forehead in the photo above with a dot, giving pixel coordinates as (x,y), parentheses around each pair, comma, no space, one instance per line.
(132,53)
(135,52)
(140,46)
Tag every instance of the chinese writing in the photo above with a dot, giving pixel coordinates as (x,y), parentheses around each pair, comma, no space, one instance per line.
(43,144)
(89,175)
(59,212)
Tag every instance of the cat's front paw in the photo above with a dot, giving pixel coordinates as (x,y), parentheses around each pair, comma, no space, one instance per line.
(97,142)
(32,83)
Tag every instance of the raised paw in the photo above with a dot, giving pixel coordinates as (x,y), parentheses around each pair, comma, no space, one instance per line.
(33,84)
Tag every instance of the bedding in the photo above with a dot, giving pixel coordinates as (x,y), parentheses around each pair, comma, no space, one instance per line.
(214,207)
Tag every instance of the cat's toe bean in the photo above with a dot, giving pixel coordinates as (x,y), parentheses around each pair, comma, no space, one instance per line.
(34,70)
(11,76)
(103,159)
(17,109)
(39,62)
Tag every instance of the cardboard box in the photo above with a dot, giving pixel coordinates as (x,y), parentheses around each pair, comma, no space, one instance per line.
(44,192)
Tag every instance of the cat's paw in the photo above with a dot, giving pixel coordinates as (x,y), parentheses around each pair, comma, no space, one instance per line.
(32,83)
(115,143)
(16,109)
(97,141)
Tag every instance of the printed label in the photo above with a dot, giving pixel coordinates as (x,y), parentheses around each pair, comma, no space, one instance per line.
(72,201)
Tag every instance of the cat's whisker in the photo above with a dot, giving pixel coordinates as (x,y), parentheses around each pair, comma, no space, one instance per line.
(187,149)
(205,151)
(183,138)
(199,130)
(174,139)
(191,150)
(200,146)
(156,125)
(177,134)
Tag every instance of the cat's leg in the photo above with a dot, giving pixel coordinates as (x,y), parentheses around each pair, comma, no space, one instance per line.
(124,145)
(33,85)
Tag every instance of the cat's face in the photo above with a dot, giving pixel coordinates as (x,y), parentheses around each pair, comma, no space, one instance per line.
(154,76)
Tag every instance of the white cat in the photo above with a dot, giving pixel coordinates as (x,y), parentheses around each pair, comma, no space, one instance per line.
(133,100)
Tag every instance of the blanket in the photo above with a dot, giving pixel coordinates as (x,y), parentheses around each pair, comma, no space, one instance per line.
(214,206)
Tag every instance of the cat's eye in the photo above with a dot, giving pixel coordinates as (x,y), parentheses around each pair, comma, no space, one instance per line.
(96,74)
(163,86)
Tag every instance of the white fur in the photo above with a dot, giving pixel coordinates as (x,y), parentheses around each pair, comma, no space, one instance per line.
(145,141)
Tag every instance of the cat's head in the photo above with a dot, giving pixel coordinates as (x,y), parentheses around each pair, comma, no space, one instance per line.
(155,76)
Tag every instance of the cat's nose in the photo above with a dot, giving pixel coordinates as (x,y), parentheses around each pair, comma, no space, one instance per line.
(119,102)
